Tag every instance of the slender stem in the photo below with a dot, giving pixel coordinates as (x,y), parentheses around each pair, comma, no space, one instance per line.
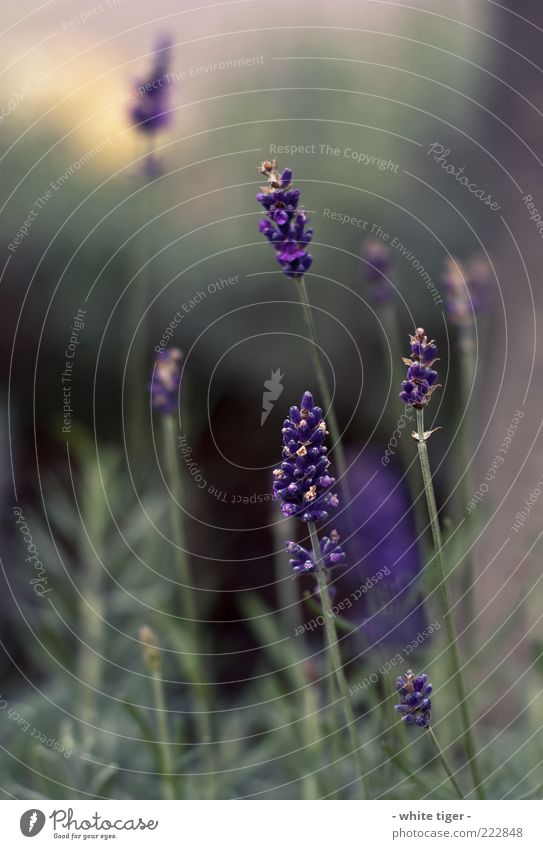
(325,392)
(444,763)
(335,656)
(140,293)
(310,730)
(168,778)
(189,611)
(289,605)
(467,373)
(187,596)
(469,742)
(334,741)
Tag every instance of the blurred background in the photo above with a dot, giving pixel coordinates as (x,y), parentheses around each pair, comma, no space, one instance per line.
(122,242)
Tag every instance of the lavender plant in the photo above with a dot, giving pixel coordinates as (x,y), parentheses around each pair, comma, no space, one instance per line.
(377,264)
(165,389)
(416,709)
(304,487)
(150,113)
(285,227)
(417,391)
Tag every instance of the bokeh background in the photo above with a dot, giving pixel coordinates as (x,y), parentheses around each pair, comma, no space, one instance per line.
(132,248)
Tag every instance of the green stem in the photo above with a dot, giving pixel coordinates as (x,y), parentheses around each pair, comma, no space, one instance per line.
(188,607)
(187,596)
(467,373)
(335,657)
(289,604)
(137,421)
(310,731)
(444,763)
(325,393)
(168,778)
(469,742)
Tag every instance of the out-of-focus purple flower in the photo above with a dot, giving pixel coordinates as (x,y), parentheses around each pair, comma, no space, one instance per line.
(380,583)
(302,560)
(421,377)
(166,380)
(285,224)
(415,705)
(480,279)
(151,112)
(377,266)
(467,288)
(302,481)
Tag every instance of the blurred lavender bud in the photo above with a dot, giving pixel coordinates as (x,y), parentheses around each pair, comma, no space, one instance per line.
(467,288)
(150,648)
(151,111)
(479,278)
(166,380)
(377,261)
(384,558)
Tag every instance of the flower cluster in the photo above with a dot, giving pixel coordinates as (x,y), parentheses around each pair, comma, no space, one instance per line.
(285,224)
(415,702)
(467,288)
(377,267)
(151,111)
(303,561)
(166,380)
(302,482)
(421,377)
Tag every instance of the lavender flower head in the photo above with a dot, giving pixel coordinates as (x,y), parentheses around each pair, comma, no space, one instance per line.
(166,380)
(415,705)
(302,481)
(421,377)
(284,226)
(151,111)
(467,288)
(377,266)
(302,560)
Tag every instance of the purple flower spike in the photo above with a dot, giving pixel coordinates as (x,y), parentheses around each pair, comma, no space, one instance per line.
(467,289)
(302,481)
(166,380)
(415,705)
(151,111)
(285,224)
(377,266)
(421,377)
(302,560)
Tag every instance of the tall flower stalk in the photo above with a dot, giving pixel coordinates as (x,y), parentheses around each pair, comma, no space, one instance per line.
(149,113)
(165,388)
(304,487)
(285,227)
(417,391)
